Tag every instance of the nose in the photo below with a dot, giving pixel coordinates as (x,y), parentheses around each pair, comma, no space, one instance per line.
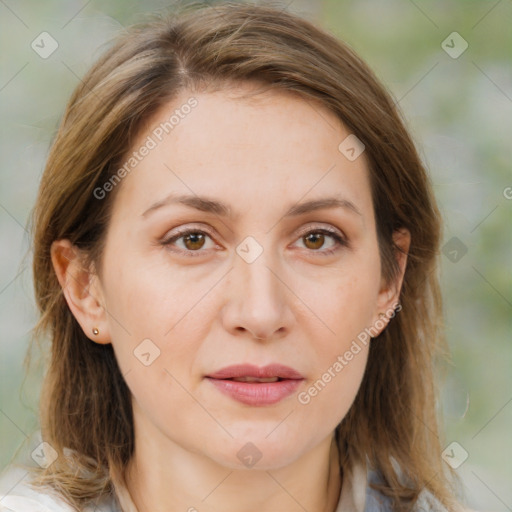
(257,299)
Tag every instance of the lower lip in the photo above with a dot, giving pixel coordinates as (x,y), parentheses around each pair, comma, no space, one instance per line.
(257,393)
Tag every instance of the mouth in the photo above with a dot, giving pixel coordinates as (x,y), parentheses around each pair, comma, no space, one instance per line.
(256,386)
(255,379)
(249,371)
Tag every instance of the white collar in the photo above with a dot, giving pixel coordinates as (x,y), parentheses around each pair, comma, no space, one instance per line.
(353,490)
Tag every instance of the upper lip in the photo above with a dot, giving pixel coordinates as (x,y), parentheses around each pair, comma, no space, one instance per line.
(249,370)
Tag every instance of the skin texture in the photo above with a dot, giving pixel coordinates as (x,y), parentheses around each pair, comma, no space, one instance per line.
(294,305)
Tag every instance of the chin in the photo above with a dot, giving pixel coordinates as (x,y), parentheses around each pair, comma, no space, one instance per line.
(259,453)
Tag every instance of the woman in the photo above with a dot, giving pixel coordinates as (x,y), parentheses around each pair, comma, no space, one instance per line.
(235,253)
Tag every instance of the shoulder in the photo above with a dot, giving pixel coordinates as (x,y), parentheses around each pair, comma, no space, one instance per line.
(426,502)
(18,495)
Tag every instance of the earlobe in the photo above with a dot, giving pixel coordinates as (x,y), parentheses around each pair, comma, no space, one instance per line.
(81,290)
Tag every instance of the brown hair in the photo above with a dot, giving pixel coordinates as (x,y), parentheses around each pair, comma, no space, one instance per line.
(85,403)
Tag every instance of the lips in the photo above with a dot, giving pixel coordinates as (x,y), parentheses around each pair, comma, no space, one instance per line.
(256,386)
(266,372)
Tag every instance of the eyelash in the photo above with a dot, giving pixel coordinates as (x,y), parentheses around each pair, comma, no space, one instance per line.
(339,239)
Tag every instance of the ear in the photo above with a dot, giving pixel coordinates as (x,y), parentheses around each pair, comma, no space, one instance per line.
(82,290)
(389,293)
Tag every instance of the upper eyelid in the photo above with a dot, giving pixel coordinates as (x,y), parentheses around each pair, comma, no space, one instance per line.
(201,228)
(329,228)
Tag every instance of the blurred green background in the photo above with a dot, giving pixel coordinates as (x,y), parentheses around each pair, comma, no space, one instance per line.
(459,110)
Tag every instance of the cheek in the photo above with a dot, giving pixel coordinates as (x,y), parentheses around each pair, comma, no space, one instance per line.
(346,306)
(326,400)
(345,303)
(155,323)
(148,300)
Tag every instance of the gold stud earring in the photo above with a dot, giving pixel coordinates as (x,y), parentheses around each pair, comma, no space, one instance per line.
(95,331)
(381,315)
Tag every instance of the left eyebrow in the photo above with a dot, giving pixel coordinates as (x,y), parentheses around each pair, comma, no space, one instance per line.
(321,204)
(209,205)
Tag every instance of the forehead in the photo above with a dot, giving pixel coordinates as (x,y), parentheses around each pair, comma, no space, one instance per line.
(249,149)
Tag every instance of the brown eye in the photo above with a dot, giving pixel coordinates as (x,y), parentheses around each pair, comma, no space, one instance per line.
(323,241)
(191,242)
(314,240)
(194,241)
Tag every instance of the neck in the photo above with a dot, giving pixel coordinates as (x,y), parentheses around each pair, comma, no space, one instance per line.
(175,479)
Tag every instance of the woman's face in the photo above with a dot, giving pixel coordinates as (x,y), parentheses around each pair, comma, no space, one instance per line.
(266,276)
